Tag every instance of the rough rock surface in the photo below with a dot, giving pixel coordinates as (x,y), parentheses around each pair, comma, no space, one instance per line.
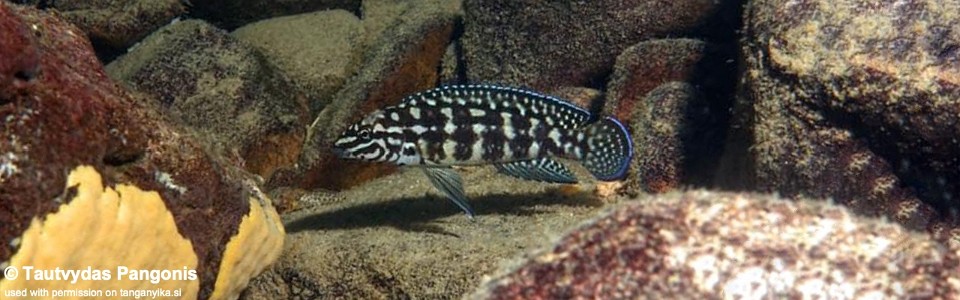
(735,246)
(568,43)
(379,16)
(452,68)
(645,66)
(114,25)
(397,237)
(318,51)
(586,98)
(661,135)
(221,88)
(404,60)
(858,101)
(59,110)
(230,14)
(671,94)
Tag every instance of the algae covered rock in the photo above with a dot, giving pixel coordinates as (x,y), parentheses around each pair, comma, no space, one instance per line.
(710,245)
(222,89)
(318,51)
(564,43)
(661,131)
(92,177)
(646,65)
(403,60)
(230,14)
(857,101)
(671,94)
(114,25)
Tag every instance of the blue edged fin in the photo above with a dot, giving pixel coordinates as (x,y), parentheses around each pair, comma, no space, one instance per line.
(448,181)
(542,169)
(609,149)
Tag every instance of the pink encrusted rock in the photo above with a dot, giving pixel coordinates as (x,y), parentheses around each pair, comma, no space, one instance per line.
(59,110)
(744,246)
(858,101)
(661,131)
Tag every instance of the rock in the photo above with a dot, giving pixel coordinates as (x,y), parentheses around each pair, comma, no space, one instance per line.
(231,14)
(661,132)
(317,51)
(645,66)
(80,156)
(567,43)
(115,25)
(452,69)
(404,60)
(381,15)
(221,88)
(677,106)
(397,237)
(856,101)
(709,245)
(586,98)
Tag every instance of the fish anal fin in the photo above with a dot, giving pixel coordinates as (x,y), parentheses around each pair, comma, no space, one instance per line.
(542,169)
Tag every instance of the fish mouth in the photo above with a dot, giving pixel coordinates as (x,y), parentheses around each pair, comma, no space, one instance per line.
(339,152)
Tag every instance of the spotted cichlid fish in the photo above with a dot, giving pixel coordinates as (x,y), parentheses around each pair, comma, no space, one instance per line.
(518,131)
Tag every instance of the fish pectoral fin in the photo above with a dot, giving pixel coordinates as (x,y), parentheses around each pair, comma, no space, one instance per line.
(448,181)
(541,169)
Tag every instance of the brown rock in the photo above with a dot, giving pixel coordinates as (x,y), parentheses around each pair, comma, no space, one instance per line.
(318,52)
(60,111)
(230,14)
(645,66)
(856,101)
(452,68)
(673,94)
(710,245)
(115,25)
(380,16)
(221,88)
(404,60)
(527,43)
(661,130)
(585,98)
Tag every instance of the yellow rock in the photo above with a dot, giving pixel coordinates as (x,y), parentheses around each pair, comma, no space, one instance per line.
(257,244)
(103,231)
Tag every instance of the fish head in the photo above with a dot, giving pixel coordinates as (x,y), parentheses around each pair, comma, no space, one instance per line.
(367,140)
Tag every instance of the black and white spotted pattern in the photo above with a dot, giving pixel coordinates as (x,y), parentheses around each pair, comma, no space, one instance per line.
(484,124)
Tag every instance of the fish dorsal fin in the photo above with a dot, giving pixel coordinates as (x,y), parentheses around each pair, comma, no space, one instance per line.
(542,169)
(488,92)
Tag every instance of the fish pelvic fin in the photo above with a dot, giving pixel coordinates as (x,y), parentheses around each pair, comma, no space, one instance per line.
(448,181)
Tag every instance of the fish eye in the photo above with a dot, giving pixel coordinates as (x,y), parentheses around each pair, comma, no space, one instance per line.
(365,134)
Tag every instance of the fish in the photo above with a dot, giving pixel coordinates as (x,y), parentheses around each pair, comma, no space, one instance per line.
(519,131)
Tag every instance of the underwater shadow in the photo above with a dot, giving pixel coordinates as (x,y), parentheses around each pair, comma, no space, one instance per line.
(417,214)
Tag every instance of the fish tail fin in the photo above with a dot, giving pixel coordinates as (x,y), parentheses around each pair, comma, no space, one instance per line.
(609,149)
